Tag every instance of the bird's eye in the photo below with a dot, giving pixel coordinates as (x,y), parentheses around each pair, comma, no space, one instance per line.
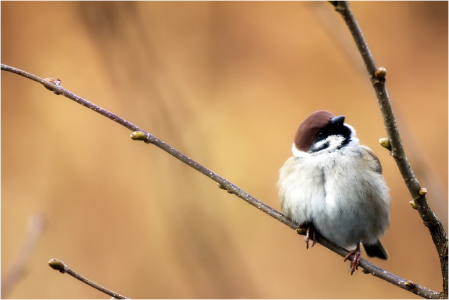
(319,134)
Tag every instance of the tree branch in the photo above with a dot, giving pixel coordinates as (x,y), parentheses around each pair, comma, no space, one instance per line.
(60,266)
(140,134)
(418,194)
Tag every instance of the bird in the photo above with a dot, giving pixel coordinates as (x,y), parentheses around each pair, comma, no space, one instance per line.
(334,186)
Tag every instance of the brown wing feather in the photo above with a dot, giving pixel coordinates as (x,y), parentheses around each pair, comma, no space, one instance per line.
(376,166)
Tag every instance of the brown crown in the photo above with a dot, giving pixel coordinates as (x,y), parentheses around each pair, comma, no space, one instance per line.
(306,134)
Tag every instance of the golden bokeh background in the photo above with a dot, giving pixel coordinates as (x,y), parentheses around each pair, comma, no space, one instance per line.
(226,83)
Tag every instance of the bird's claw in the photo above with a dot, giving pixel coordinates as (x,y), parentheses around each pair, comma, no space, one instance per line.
(356,259)
(310,234)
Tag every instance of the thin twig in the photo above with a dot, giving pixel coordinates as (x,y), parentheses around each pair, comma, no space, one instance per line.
(139,134)
(36,226)
(60,266)
(418,194)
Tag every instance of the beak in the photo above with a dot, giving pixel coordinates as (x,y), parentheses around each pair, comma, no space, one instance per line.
(338,121)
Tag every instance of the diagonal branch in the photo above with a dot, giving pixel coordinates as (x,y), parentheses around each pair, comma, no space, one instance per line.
(60,266)
(418,194)
(139,134)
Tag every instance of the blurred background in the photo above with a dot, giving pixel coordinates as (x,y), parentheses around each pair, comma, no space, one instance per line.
(227,84)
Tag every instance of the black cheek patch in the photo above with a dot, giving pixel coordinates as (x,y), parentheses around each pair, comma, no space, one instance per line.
(346,133)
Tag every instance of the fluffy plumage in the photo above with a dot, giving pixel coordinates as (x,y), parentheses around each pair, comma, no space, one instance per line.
(335,184)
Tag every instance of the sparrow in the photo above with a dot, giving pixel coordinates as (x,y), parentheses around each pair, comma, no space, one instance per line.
(334,186)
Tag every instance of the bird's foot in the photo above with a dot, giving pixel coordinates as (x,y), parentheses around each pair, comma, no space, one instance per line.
(356,259)
(310,233)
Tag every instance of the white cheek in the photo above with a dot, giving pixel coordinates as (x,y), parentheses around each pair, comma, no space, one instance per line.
(299,153)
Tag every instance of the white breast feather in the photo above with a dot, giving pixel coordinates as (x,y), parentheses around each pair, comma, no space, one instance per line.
(325,188)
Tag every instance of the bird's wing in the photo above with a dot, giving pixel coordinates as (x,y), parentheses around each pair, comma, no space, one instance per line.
(374,161)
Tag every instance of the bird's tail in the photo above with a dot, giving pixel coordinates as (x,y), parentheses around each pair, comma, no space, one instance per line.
(376,250)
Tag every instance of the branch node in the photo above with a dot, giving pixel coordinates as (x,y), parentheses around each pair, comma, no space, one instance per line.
(221,186)
(410,284)
(138,136)
(301,230)
(56,82)
(58,265)
(365,271)
(143,136)
(413,204)
(225,188)
(422,191)
(380,74)
(385,143)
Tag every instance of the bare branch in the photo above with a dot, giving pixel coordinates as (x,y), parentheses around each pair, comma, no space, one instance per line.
(415,150)
(60,266)
(139,134)
(377,75)
(231,188)
(36,226)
